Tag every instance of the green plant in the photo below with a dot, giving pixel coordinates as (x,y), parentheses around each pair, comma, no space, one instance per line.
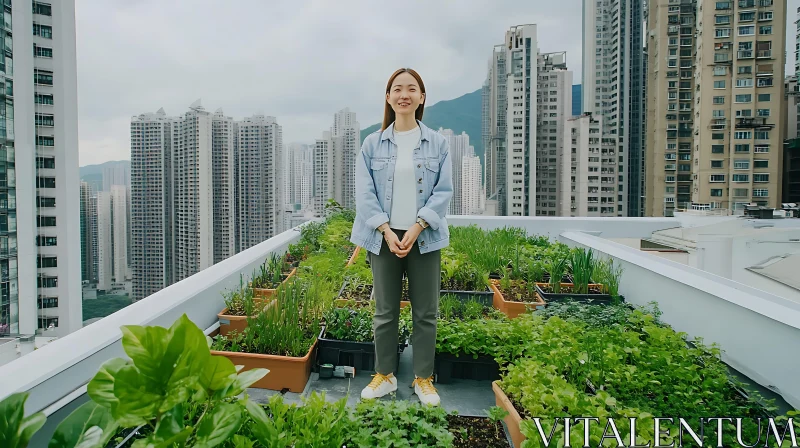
(399,424)
(609,275)
(352,324)
(496,415)
(241,302)
(464,277)
(556,267)
(272,272)
(16,430)
(582,267)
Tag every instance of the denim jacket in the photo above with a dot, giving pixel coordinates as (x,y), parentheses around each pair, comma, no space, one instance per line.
(433,170)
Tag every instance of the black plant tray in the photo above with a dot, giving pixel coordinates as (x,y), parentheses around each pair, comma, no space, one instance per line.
(484,297)
(447,366)
(360,355)
(593,299)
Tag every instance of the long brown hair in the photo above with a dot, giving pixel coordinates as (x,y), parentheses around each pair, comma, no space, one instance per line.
(388,112)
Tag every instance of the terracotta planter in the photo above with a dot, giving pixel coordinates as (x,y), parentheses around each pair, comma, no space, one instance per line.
(285,372)
(512,419)
(354,256)
(266,293)
(229,322)
(511,308)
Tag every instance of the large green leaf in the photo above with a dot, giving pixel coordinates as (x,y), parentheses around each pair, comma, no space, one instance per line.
(16,430)
(101,387)
(242,381)
(240,441)
(169,432)
(217,374)
(219,425)
(89,426)
(189,349)
(137,402)
(147,347)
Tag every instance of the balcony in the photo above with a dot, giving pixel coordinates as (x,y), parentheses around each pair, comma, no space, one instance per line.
(753,123)
(764,54)
(56,375)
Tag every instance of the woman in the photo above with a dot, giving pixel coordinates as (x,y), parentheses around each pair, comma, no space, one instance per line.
(403,189)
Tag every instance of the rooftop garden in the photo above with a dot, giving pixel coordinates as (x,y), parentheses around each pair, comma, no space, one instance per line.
(541,324)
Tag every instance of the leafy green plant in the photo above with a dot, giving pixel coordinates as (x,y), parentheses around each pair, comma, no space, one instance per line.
(352,324)
(399,424)
(556,268)
(464,277)
(241,302)
(273,271)
(582,266)
(453,308)
(609,275)
(496,415)
(16,430)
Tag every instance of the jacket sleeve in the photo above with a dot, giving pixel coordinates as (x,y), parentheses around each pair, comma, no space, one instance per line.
(367,204)
(438,203)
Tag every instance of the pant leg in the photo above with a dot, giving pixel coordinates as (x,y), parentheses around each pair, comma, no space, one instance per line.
(424,283)
(387,274)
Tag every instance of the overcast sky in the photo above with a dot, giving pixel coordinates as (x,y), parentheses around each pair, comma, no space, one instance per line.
(299,60)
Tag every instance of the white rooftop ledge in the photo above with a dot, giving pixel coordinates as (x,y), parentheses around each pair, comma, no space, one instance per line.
(758,332)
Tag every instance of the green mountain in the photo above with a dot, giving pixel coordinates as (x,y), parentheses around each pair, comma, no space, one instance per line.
(459,114)
(93,174)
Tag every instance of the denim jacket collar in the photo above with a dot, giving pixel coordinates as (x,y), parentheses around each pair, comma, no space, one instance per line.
(388,133)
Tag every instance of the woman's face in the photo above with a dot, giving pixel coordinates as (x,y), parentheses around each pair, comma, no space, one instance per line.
(405,95)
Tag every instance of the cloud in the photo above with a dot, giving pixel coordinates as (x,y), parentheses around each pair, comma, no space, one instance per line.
(299,60)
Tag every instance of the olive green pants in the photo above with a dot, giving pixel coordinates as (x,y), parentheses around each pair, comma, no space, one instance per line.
(424,277)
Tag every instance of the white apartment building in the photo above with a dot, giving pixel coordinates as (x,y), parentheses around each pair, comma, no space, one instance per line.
(300,160)
(554,108)
(613,88)
(224,180)
(494,129)
(334,161)
(472,194)
(119,232)
(105,242)
(87,235)
(459,149)
(151,203)
(260,178)
(117,174)
(40,291)
(585,194)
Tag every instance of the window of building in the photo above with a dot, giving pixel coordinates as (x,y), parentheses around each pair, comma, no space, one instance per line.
(744,113)
(765,29)
(45,31)
(719,84)
(43,77)
(747,30)
(717,178)
(716,136)
(741,164)
(721,20)
(762,112)
(740,192)
(764,97)
(744,70)
(762,135)
(42,52)
(46,262)
(46,162)
(45,120)
(742,135)
(716,192)
(43,9)
(741,178)
(760,192)
(748,16)
(744,82)
(765,15)
(717,149)
(742,147)
(722,32)
(48,302)
(46,221)
(719,100)
(45,322)
(45,182)
(718,113)
(716,164)
(720,70)
(45,202)
(43,99)
(744,98)
(761,148)
(760,177)
(760,163)
(46,240)
(45,141)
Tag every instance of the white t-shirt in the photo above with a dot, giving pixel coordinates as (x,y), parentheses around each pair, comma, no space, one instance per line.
(404,197)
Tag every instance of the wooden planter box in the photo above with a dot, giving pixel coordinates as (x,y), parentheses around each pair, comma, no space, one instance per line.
(266,293)
(285,372)
(229,322)
(512,419)
(354,256)
(511,308)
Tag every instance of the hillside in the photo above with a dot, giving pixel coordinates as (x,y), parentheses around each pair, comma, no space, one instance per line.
(459,114)
(93,174)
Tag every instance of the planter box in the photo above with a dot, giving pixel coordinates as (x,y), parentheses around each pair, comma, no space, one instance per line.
(596,299)
(266,293)
(512,419)
(340,302)
(285,372)
(360,355)
(484,297)
(511,308)
(447,367)
(229,322)
(354,256)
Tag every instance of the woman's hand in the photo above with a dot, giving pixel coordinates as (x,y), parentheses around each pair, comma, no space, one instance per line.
(395,246)
(410,237)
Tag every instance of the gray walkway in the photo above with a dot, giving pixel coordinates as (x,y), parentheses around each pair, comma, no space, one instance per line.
(468,397)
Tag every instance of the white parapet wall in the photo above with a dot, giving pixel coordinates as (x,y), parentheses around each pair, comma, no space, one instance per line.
(758,332)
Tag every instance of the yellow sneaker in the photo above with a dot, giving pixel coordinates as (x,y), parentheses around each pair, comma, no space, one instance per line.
(424,389)
(379,386)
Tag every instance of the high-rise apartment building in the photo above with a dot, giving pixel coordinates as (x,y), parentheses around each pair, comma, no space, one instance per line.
(716,95)
(471,188)
(335,161)
(459,149)
(116,174)
(613,88)
(260,140)
(40,197)
(586,193)
(87,235)
(223,146)
(554,108)
(105,242)
(300,159)
(494,128)
(119,232)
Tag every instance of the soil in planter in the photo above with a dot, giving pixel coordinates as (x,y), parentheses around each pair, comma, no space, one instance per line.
(518,293)
(565,289)
(476,432)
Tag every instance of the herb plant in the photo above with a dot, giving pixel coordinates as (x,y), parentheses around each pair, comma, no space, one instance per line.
(582,267)
(400,424)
